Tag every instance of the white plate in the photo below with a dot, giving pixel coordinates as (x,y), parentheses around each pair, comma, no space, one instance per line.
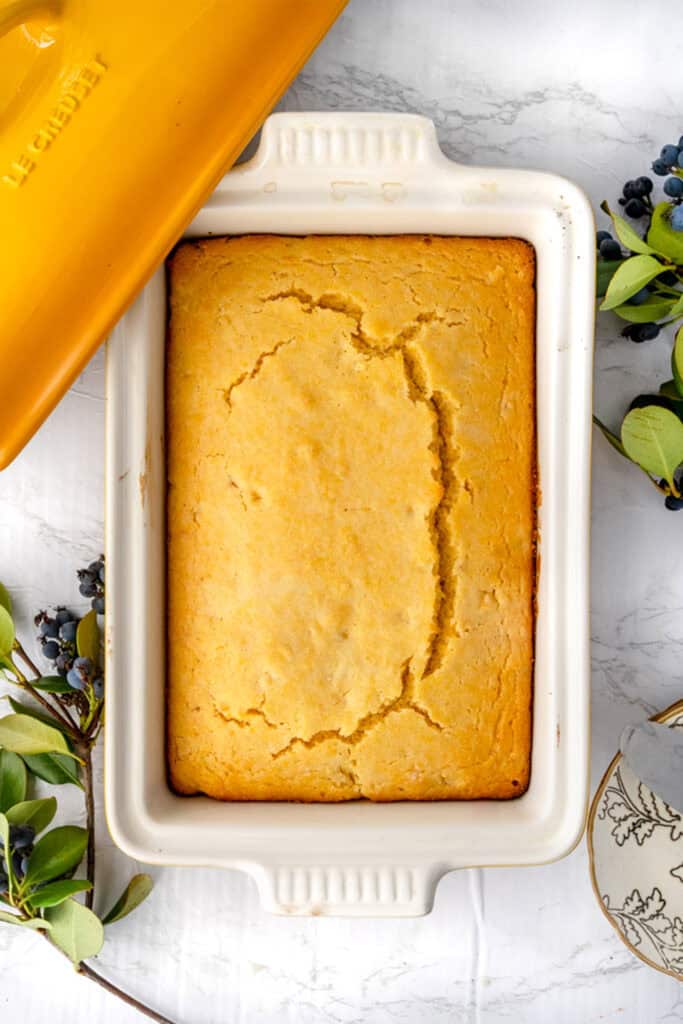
(370,174)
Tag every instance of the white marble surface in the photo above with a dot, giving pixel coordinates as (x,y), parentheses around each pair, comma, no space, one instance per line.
(587,89)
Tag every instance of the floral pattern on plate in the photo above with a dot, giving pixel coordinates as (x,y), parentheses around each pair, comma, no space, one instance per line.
(635,845)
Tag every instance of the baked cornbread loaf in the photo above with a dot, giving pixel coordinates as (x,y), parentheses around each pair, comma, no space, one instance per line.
(351,517)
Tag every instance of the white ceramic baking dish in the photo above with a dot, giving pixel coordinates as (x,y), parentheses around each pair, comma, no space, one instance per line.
(376,174)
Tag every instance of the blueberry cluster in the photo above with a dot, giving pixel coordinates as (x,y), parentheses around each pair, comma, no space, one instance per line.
(21,846)
(57,636)
(91,584)
(635,197)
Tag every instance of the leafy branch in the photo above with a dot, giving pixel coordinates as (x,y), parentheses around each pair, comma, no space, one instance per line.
(52,739)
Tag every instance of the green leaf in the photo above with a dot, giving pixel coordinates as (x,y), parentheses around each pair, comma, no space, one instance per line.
(37,923)
(7,634)
(653,437)
(52,684)
(137,890)
(661,235)
(26,709)
(669,390)
(7,663)
(631,276)
(677,361)
(53,768)
(657,309)
(75,930)
(676,310)
(605,271)
(5,599)
(56,892)
(37,813)
(88,637)
(24,734)
(57,852)
(628,237)
(612,438)
(12,779)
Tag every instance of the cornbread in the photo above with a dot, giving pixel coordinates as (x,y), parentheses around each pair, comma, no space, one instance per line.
(351,517)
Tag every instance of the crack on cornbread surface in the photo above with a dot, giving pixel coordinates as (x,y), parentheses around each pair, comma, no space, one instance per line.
(455,720)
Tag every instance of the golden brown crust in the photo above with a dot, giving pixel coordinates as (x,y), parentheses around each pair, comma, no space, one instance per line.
(351,517)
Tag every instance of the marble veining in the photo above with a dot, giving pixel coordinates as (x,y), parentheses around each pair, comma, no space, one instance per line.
(586,90)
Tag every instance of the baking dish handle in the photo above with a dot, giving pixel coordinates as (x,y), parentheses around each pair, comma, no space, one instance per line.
(348,890)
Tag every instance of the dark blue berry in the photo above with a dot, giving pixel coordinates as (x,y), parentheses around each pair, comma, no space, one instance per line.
(644,185)
(635,208)
(677,219)
(21,836)
(51,649)
(63,663)
(602,236)
(640,297)
(674,187)
(74,680)
(630,190)
(100,573)
(17,860)
(660,167)
(63,615)
(610,250)
(67,631)
(88,589)
(83,665)
(674,504)
(670,154)
(94,567)
(98,605)
(98,687)
(641,332)
(49,628)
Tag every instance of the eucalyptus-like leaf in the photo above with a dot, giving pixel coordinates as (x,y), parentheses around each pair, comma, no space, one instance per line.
(75,930)
(54,893)
(677,361)
(648,311)
(631,276)
(5,599)
(52,684)
(7,634)
(57,852)
(36,923)
(36,813)
(662,237)
(12,779)
(53,768)
(137,890)
(605,271)
(88,637)
(40,716)
(653,437)
(627,235)
(24,734)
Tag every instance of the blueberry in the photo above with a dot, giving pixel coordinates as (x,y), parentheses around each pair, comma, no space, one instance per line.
(660,167)
(84,665)
(74,680)
(602,236)
(63,663)
(630,190)
(50,649)
(98,605)
(21,836)
(94,567)
(680,156)
(641,332)
(100,573)
(674,187)
(98,687)
(640,297)
(609,249)
(669,154)
(67,631)
(674,504)
(63,615)
(17,861)
(635,208)
(88,589)
(644,185)
(49,628)
(677,219)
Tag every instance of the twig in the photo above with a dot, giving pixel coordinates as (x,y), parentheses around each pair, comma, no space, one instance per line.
(86,753)
(88,972)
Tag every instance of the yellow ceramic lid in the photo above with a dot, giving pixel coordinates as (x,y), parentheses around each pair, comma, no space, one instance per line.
(117,119)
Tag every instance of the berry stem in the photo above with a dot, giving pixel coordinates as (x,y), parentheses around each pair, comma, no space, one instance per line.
(86,753)
(25,684)
(88,972)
